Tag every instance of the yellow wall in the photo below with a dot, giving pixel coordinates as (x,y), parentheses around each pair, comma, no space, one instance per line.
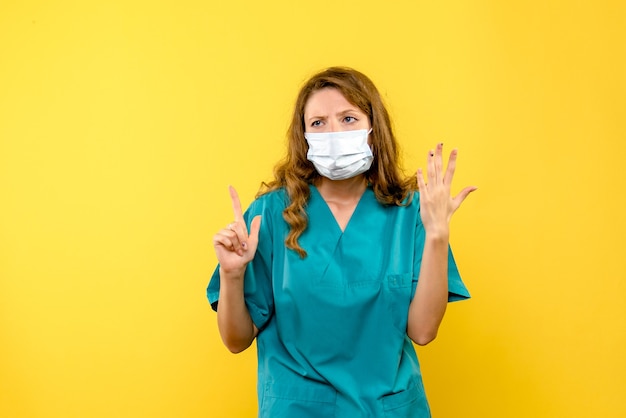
(122,123)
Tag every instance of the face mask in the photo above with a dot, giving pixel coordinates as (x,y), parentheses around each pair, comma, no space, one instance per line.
(340,155)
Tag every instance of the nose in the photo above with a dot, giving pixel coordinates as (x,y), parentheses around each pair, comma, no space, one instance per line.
(333,126)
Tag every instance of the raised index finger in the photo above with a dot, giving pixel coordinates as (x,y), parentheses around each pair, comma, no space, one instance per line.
(236,204)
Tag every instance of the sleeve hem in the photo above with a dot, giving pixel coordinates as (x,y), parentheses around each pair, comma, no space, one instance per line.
(456,294)
(453,297)
(259,318)
(213,299)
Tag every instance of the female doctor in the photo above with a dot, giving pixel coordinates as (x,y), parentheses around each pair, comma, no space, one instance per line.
(339,265)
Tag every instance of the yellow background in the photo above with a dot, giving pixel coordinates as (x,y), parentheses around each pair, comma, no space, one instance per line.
(122,123)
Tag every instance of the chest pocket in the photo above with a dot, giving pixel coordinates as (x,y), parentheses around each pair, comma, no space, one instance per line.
(397,294)
(303,399)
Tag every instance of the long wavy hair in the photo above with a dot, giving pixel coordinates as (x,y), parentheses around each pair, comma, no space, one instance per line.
(295,172)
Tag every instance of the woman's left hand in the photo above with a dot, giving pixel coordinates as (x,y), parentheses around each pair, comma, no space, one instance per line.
(436,203)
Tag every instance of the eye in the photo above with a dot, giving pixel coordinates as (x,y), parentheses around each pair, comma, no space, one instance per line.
(316,123)
(349,119)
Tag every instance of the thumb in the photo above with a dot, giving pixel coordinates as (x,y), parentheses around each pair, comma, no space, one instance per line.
(255,226)
(463,194)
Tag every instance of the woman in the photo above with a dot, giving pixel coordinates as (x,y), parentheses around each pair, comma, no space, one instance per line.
(339,265)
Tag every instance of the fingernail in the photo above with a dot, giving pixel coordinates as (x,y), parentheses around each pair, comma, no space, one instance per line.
(244,245)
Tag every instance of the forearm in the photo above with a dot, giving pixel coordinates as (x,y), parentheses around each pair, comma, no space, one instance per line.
(233,319)
(429,303)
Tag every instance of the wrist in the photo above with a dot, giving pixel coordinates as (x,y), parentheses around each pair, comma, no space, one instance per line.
(233,274)
(439,235)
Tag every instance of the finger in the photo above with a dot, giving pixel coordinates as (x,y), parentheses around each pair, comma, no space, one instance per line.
(239,226)
(421,184)
(234,238)
(439,161)
(432,176)
(451,167)
(459,198)
(220,239)
(234,197)
(240,230)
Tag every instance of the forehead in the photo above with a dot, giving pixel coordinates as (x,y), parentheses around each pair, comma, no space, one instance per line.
(327,100)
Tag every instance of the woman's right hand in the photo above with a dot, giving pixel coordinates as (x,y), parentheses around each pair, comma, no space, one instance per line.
(234,246)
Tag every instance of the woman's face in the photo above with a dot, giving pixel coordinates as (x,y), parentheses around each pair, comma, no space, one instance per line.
(327,110)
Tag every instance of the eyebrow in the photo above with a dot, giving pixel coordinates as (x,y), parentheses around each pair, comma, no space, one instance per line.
(342,113)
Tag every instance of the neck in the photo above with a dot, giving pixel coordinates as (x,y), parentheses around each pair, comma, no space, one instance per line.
(342,190)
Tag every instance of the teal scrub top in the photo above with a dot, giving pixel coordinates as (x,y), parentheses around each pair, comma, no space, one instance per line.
(332,339)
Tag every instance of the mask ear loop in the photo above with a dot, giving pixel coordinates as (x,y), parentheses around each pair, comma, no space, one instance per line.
(368,141)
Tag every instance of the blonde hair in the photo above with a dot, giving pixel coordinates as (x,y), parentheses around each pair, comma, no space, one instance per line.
(294,173)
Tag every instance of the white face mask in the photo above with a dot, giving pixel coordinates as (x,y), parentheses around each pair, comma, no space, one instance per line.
(339,155)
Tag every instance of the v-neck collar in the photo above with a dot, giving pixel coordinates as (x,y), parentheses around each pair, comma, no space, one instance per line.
(317,196)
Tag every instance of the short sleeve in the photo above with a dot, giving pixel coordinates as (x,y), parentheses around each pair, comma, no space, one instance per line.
(456,288)
(258,279)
